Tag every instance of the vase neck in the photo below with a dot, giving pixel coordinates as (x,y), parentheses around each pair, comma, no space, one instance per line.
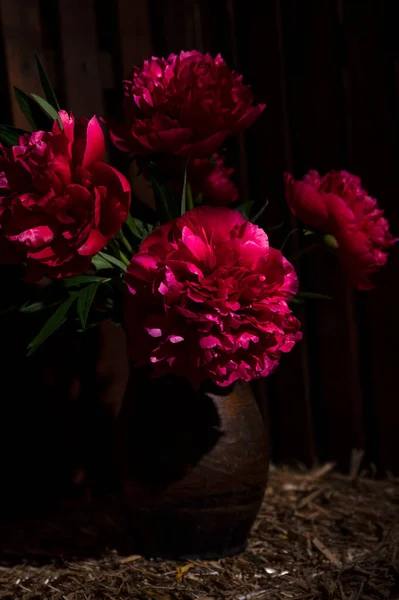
(209,387)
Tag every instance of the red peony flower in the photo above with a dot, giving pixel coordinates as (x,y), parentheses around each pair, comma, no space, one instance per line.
(338,205)
(207,299)
(59,202)
(187,104)
(212,180)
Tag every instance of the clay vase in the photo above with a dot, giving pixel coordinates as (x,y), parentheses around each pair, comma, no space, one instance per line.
(193,467)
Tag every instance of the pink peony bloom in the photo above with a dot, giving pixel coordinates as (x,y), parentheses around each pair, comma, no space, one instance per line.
(338,205)
(186,104)
(60,203)
(207,299)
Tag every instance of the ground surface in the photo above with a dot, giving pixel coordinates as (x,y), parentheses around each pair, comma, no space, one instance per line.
(319,535)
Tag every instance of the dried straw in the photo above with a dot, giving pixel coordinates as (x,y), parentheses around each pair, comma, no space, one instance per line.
(319,535)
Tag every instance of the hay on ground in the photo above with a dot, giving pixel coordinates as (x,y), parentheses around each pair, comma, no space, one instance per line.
(319,535)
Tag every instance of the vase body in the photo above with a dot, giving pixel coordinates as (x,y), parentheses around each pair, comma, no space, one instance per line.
(193,466)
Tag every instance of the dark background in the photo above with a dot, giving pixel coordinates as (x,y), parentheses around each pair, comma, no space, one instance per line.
(328,71)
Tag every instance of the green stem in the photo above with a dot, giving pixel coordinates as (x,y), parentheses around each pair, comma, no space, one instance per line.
(124,258)
(125,242)
(304,251)
(291,233)
(117,252)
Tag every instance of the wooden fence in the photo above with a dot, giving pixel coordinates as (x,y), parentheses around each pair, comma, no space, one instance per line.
(328,71)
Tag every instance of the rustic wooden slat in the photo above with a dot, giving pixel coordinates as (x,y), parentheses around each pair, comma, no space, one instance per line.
(371,45)
(106,70)
(242,167)
(21,38)
(318,125)
(269,153)
(177,20)
(49,60)
(83,91)
(318,143)
(135,33)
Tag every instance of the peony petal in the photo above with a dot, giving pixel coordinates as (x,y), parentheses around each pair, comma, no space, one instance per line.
(94,243)
(75,266)
(95,145)
(112,199)
(176,339)
(209,341)
(34,237)
(204,148)
(68,123)
(142,267)
(169,140)
(121,136)
(248,118)
(154,332)
(306,202)
(210,219)
(195,244)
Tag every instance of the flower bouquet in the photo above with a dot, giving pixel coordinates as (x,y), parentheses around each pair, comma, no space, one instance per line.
(206,300)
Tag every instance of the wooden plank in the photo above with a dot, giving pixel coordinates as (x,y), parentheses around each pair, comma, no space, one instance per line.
(21,38)
(216,27)
(106,70)
(83,91)
(318,124)
(176,19)
(372,49)
(134,33)
(269,154)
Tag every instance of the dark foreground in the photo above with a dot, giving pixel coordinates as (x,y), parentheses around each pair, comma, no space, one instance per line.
(319,535)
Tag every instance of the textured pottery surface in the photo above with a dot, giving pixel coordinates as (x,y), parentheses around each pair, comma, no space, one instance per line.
(194,467)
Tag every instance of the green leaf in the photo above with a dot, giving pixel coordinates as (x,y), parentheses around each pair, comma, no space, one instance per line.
(101,263)
(113,260)
(313,296)
(34,115)
(183,208)
(161,201)
(46,84)
(85,300)
(9,136)
(124,242)
(260,212)
(47,109)
(57,319)
(171,200)
(139,228)
(198,200)
(331,241)
(114,246)
(136,226)
(77,281)
(246,209)
(33,307)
